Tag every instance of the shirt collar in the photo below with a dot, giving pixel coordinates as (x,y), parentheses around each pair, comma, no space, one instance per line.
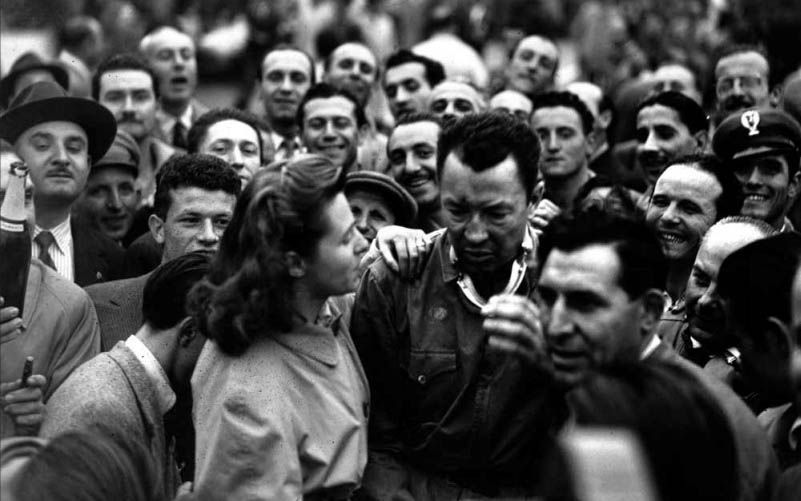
(794,435)
(652,345)
(62,232)
(318,340)
(168,121)
(155,372)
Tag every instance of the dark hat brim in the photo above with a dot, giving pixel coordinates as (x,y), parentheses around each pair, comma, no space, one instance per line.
(96,120)
(7,83)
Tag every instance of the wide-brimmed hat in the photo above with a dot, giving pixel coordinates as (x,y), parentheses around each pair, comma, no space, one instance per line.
(399,200)
(48,102)
(28,62)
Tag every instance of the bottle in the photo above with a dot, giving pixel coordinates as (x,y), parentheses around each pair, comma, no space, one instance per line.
(15,239)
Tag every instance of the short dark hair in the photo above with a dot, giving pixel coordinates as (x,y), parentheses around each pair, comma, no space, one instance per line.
(483,140)
(434,71)
(124,61)
(417,116)
(730,200)
(552,99)
(197,133)
(690,113)
(324,90)
(758,279)
(166,289)
(283,47)
(195,170)
(642,263)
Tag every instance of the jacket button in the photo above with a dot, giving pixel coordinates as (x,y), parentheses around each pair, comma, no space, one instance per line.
(421,379)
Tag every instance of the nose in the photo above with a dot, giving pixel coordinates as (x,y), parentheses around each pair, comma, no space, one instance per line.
(476,231)
(737,87)
(411,166)
(552,142)
(113,202)
(754,178)
(670,214)
(650,142)
(61,156)
(709,300)
(402,96)
(207,234)
(128,103)
(361,222)
(235,157)
(286,85)
(558,323)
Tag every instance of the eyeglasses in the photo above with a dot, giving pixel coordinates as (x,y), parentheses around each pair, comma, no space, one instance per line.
(747,83)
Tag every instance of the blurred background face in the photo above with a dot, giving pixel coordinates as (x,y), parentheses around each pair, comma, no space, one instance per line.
(452,100)
(235,142)
(565,148)
(353,68)
(407,89)
(512,102)
(677,78)
(286,76)
(533,66)
(742,82)
(330,129)
(682,209)
(110,200)
(172,57)
(661,138)
(371,212)
(412,155)
(129,96)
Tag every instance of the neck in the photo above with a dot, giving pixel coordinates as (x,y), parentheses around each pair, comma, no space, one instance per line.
(646,341)
(432,212)
(678,274)
(493,282)
(49,216)
(778,223)
(563,190)
(285,128)
(175,109)
(306,304)
(160,343)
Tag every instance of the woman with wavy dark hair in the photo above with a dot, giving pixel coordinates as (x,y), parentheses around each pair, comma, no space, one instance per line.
(281,399)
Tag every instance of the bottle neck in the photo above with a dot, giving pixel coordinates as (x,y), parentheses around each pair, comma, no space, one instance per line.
(13,207)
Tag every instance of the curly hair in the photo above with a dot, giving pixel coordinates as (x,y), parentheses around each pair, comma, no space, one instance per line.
(248,291)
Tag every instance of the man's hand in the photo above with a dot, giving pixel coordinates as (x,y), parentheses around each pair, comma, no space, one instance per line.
(10,321)
(404,250)
(542,214)
(513,325)
(25,405)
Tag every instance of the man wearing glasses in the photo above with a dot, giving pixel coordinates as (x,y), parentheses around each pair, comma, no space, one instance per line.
(741,81)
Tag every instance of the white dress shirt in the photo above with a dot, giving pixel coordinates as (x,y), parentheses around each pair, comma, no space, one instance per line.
(167,122)
(61,251)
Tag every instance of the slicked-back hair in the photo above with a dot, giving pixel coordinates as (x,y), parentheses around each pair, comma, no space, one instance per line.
(483,140)
(196,170)
(731,50)
(642,263)
(325,90)
(757,279)
(121,62)
(730,200)
(167,288)
(553,99)
(248,292)
(197,133)
(330,57)
(690,113)
(287,47)
(434,71)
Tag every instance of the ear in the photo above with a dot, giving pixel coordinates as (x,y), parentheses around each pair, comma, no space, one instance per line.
(795,184)
(778,340)
(295,264)
(653,304)
(701,139)
(604,119)
(591,138)
(187,332)
(775,96)
(156,228)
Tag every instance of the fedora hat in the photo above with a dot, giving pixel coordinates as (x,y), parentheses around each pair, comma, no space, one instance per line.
(48,102)
(28,62)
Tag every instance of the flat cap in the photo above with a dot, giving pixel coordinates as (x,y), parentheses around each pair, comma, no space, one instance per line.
(123,153)
(400,201)
(755,132)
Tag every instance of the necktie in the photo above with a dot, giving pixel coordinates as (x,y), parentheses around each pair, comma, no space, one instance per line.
(45,240)
(179,135)
(288,147)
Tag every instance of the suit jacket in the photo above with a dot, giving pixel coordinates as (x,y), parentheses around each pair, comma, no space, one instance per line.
(96,257)
(119,308)
(114,391)
(757,465)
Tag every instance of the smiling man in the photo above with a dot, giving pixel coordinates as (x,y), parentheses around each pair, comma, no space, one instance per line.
(763,147)
(451,100)
(331,123)
(742,81)
(422,342)
(408,80)
(171,54)
(57,137)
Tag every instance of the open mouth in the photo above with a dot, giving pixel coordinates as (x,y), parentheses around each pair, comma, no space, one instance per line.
(416,181)
(756,198)
(179,81)
(672,238)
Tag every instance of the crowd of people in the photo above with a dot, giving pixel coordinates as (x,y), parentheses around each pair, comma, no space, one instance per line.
(432,270)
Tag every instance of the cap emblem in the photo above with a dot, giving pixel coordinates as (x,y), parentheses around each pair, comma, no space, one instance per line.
(750,120)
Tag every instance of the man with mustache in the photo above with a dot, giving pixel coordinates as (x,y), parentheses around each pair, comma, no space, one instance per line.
(126,86)
(565,128)
(669,125)
(762,147)
(742,81)
(285,75)
(412,154)
(58,137)
(171,54)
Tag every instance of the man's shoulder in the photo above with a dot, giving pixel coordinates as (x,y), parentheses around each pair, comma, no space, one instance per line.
(381,273)
(102,292)
(54,288)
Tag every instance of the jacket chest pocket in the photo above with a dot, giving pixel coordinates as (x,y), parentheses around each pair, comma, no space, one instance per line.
(432,384)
